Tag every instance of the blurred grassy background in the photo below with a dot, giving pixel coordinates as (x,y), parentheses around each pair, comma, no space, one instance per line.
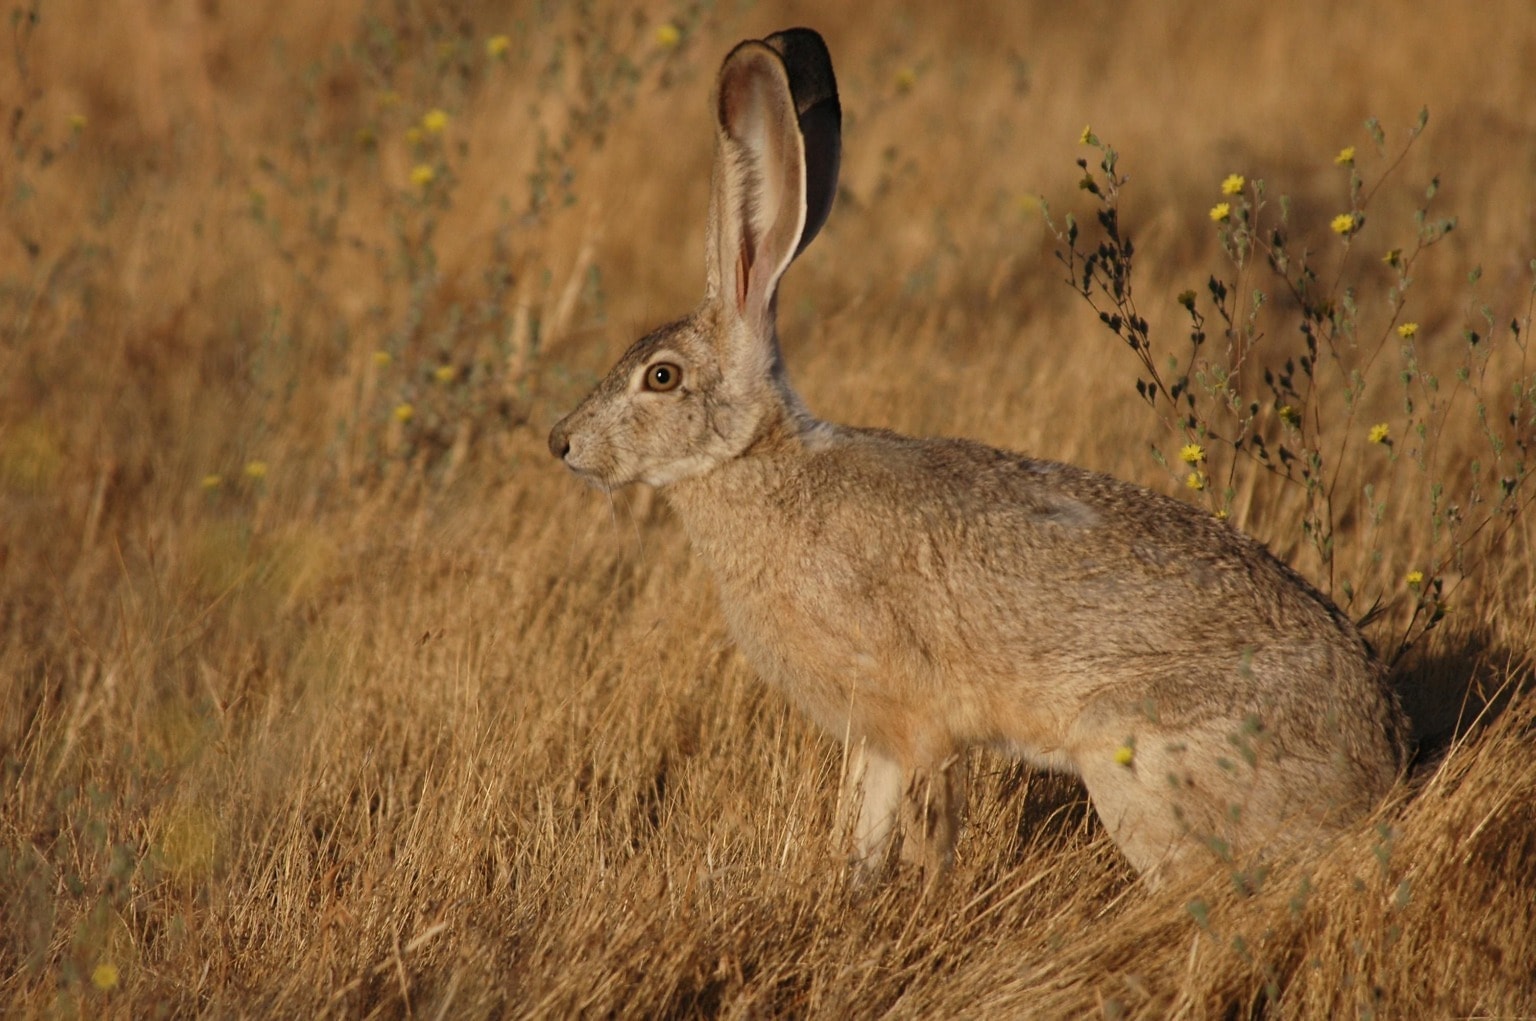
(323,690)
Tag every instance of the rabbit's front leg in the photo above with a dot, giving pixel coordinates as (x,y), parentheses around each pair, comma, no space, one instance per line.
(919,807)
(873,787)
(933,802)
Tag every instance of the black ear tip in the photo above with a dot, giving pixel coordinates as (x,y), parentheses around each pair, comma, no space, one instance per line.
(809,65)
(802,42)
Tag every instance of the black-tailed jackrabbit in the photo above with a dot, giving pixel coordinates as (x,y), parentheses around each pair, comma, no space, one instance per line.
(923,596)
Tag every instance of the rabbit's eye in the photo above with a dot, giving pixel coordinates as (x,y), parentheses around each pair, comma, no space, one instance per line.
(663,376)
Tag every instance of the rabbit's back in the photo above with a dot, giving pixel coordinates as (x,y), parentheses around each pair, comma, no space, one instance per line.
(1043,557)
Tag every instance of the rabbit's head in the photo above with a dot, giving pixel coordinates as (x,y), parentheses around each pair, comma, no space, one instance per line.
(700,391)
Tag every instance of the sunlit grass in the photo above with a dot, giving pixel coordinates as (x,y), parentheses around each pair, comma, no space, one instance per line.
(324,691)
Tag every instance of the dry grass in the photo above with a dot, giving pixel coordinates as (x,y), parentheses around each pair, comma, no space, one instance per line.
(392,718)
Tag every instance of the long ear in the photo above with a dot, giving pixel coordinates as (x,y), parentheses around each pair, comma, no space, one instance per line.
(776,157)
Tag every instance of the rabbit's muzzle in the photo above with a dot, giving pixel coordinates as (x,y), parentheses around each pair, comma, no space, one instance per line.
(559,441)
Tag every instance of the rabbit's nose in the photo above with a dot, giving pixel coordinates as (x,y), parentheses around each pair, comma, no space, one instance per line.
(559,442)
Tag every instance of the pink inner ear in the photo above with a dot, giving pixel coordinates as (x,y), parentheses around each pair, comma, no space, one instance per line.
(743,271)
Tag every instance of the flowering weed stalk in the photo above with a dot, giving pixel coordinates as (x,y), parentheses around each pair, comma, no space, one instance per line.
(1300,388)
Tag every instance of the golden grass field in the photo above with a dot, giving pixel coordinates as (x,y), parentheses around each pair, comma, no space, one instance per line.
(324,689)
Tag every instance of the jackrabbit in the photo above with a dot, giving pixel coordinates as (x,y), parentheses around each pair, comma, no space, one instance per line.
(920,597)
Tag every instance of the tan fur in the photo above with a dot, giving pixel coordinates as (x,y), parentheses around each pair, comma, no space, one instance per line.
(927,596)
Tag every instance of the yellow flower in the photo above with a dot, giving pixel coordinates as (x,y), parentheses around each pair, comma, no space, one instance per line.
(1195,480)
(212,480)
(1221,212)
(1346,157)
(1344,223)
(422,175)
(434,122)
(1414,578)
(1192,453)
(1086,138)
(404,412)
(382,358)
(1289,415)
(1125,754)
(104,976)
(1233,185)
(1380,433)
(1393,257)
(905,79)
(1222,514)
(1408,330)
(444,373)
(77,122)
(496,46)
(255,469)
(667,35)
